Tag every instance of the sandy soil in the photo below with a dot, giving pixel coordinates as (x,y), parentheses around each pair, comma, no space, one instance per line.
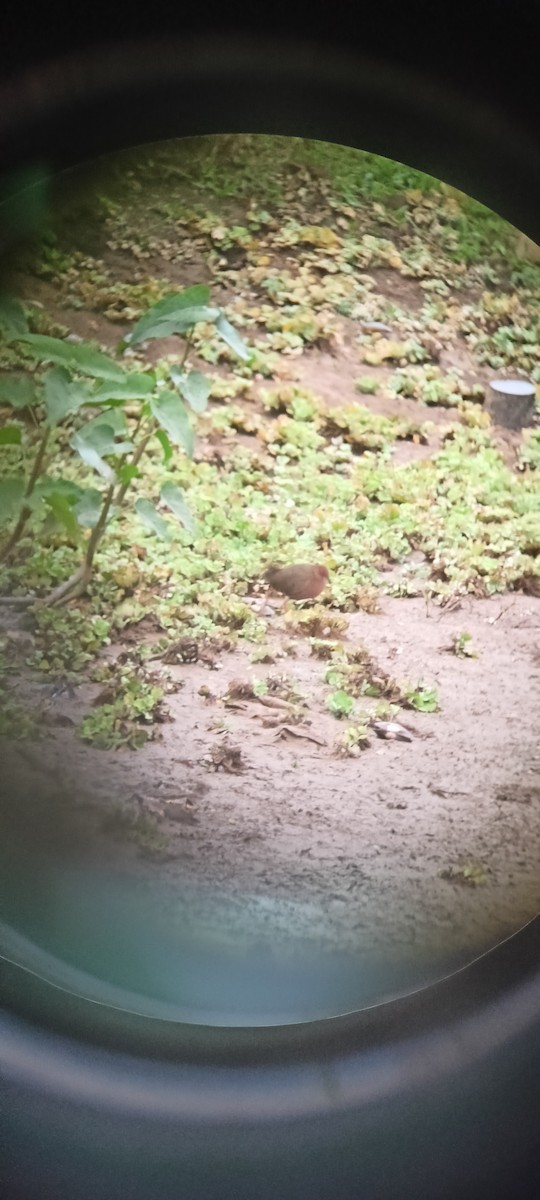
(303,845)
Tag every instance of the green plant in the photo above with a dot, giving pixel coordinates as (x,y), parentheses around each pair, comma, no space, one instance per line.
(353,740)
(530,450)
(320,648)
(472,874)
(340,704)
(460,521)
(127,714)
(67,640)
(462,646)
(161,415)
(367,384)
(424,699)
(316,622)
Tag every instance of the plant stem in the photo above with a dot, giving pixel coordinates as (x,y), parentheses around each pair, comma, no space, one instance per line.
(137,455)
(74,586)
(38,464)
(187,347)
(99,527)
(138,423)
(78,582)
(26,510)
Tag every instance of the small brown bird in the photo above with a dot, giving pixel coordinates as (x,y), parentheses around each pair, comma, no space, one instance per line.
(303,581)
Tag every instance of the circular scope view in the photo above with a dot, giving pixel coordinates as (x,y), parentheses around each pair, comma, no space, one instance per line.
(269,580)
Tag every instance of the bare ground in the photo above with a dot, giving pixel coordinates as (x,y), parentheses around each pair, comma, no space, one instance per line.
(304,846)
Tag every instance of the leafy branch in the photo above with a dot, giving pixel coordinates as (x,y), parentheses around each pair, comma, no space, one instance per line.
(104,443)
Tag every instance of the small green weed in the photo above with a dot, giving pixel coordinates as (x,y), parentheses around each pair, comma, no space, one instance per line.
(423,699)
(367,385)
(128,713)
(471,874)
(353,740)
(462,647)
(340,704)
(67,640)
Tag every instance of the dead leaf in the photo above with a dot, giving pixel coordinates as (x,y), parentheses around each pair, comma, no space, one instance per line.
(471,874)
(319,235)
(275,702)
(239,689)
(299,733)
(126,577)
(385,349)
(226,758)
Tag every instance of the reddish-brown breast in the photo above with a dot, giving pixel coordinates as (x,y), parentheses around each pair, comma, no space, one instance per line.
(303,581)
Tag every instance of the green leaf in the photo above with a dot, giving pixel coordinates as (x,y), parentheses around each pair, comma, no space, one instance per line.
(19,391)
(47,486)
(232,338)
(112,418)
(171,416)
(88,508)
(175,313)
(165,444)
(136,386)
(13,321)
(62,395)
(340,704)
(334,676)
(63,511)
(173,498)
(10,435)
(79,356)
(11,497)
(180,322)
(195,388)
(91,457)
(197,294)
(102,431)
(127,472)
(151,519)
(424,699)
